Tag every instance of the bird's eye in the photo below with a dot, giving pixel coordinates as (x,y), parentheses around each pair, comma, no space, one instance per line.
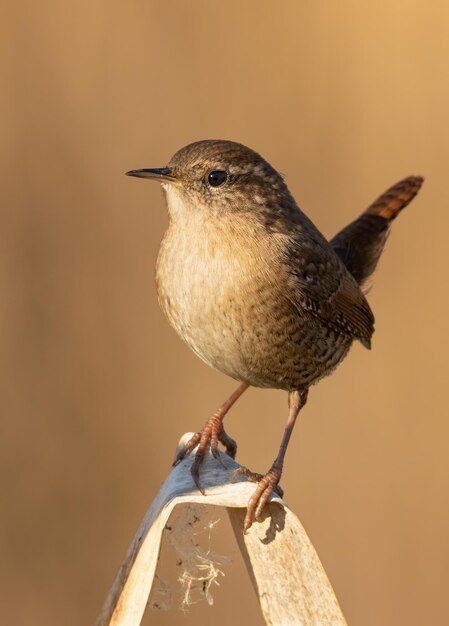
(311,280)
(217,178)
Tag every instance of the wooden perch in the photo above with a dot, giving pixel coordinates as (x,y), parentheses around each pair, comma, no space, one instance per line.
(286,573)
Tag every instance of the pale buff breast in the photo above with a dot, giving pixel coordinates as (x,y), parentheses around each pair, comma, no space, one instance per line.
(205,284)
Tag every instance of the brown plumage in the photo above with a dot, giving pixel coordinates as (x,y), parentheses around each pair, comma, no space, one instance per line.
(360,244)
(254,288)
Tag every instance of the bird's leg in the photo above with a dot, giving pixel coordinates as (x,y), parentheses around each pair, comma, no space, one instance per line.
(269,482)
(212,433)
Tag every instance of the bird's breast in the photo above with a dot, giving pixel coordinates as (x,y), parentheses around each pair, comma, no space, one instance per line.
(206,280)
(224,289)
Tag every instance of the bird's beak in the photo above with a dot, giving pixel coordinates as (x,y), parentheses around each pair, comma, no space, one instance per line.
(160,174)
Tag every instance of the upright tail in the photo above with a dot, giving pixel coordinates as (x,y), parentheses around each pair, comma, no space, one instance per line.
(360,244)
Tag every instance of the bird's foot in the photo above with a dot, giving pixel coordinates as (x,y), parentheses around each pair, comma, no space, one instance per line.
(212,433)
(267,484)
(255,477)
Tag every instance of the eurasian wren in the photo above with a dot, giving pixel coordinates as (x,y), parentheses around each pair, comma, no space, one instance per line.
(253,287)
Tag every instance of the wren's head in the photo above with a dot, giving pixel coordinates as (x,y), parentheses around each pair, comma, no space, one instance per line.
(221,177)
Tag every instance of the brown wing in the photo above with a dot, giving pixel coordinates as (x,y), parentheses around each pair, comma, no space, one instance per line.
(321,285)
(360,244)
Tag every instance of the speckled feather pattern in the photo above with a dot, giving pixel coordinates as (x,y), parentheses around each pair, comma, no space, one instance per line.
(247,280)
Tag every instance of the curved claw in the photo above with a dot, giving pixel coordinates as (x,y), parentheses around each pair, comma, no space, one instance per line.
(210,435)
(229,443)
(195,472)
(188,447)
(256,504)
(216,454)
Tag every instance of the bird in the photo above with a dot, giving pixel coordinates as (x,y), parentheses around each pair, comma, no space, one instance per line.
(255,290)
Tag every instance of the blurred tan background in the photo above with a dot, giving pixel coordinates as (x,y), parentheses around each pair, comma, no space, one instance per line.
(344,98)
